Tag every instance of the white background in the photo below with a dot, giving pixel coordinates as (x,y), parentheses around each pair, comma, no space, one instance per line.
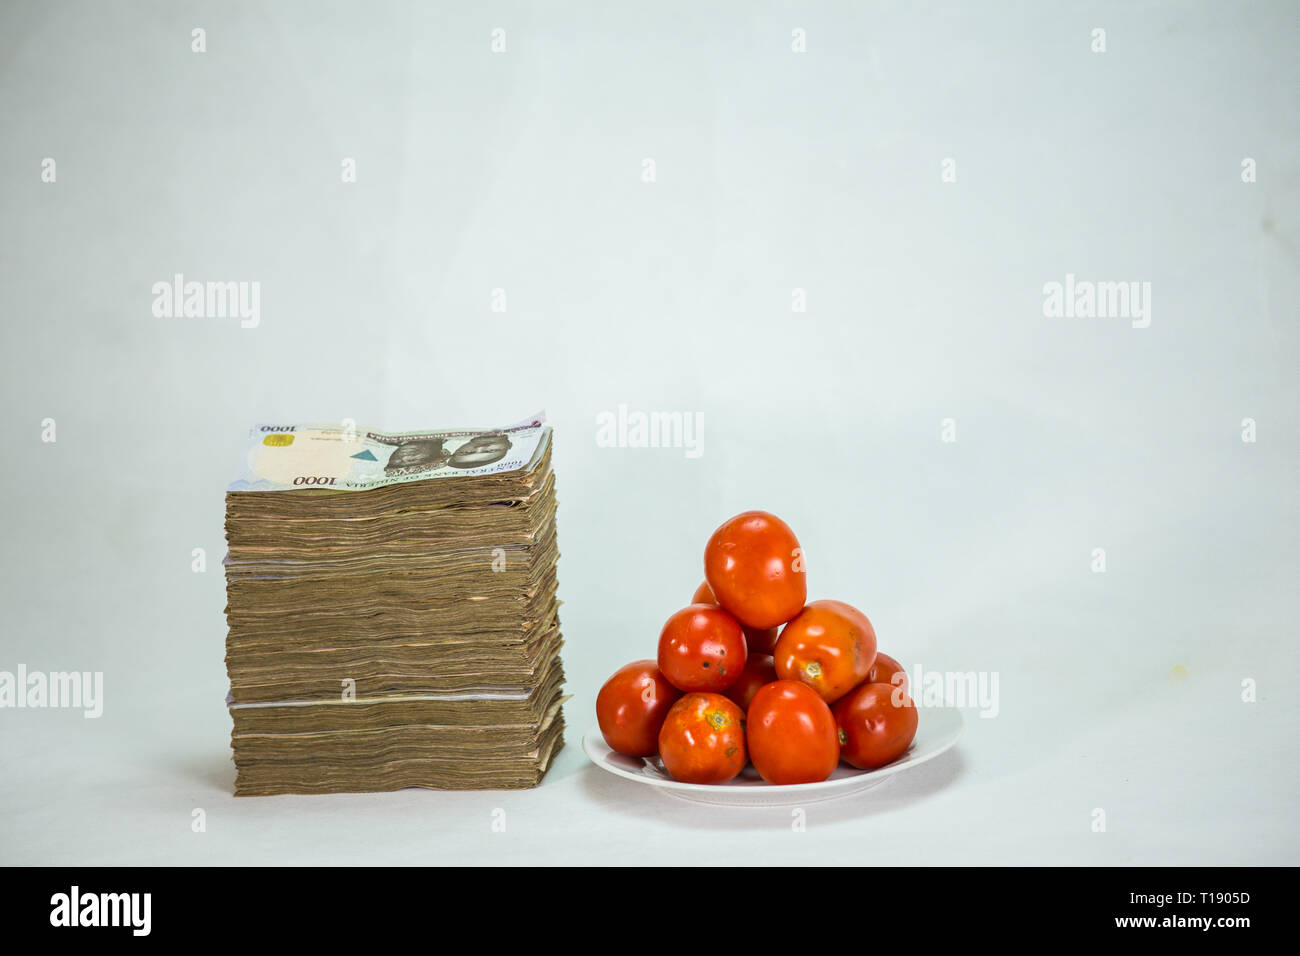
(775,171)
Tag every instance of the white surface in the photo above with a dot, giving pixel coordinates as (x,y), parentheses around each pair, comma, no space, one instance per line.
(936,734)
(820,171)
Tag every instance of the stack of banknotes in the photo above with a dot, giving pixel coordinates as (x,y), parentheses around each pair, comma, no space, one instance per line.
(391,599)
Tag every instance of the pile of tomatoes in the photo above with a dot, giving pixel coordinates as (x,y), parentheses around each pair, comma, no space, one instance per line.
(751,671)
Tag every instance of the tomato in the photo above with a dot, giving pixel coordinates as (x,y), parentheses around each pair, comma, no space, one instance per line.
(702,648)
(759,670)
(792,734)
(885,670)
(755,566)
(631,707)
(703,739)
(874,729)
(759,641)
(830,646)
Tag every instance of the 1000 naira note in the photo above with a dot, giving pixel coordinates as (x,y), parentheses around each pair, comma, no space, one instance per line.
(345,457)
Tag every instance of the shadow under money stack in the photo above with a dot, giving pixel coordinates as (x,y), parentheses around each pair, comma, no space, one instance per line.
(392,610)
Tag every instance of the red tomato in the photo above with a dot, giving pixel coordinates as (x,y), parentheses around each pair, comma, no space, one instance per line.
(758,641)
(874,729)
(762,642)
(886,670)
(703,739)
(792,734)
(631,708)
(702,648)
(759,670)
(755,566)
(830,646)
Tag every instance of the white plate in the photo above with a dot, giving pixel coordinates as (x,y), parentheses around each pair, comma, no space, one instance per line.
(938,730)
